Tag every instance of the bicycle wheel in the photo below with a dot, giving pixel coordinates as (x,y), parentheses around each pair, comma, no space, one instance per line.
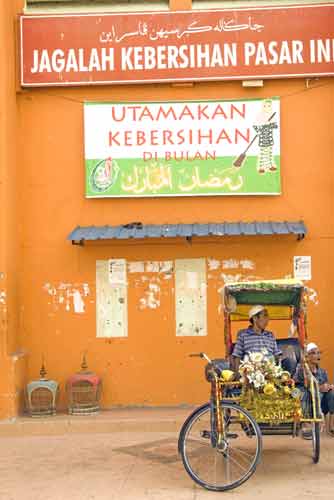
(316,442)
(224,467)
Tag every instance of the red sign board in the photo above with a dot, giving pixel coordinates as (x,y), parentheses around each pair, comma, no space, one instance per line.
(266,42)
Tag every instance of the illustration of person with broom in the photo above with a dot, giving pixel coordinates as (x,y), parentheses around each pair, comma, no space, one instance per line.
(264,128)
(265,133)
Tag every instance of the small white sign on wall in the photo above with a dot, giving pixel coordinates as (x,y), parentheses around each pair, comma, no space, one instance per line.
(302,267)
(117,272)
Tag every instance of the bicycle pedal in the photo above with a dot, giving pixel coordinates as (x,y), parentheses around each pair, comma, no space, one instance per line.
(229,435)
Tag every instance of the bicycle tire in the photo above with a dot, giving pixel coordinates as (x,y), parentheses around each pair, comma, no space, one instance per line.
(316,442)
(204,410)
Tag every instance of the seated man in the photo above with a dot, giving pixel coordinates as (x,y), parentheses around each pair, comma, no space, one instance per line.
(255,338)
(313,357)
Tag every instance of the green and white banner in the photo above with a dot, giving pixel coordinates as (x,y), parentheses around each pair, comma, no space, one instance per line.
(182,148)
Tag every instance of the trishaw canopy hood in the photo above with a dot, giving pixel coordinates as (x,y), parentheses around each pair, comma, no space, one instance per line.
(279,296)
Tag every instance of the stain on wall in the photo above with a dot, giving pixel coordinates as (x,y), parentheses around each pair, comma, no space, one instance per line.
(67,296)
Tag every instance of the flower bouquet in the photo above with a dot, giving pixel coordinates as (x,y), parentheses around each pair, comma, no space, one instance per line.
(268,391)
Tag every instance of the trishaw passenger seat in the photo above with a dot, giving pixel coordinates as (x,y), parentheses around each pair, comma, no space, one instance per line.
(220,363)
(230,357)
(291,352)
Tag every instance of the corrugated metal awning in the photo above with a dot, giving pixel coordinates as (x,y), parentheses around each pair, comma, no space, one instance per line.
(137,230)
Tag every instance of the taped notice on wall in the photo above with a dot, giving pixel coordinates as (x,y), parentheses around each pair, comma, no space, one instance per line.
(302,267)
(117,272)
(190,297)
(111,298)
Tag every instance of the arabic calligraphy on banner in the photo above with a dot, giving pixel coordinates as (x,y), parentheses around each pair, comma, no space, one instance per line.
(264,42)
(182,148)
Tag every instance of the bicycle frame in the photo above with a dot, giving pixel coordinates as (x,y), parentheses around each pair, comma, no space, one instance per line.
(217,423)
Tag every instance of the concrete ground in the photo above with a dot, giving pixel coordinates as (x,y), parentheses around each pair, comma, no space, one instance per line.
(132,455)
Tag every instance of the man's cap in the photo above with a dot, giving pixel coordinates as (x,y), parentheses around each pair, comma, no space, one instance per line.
(311,346)
(255,310)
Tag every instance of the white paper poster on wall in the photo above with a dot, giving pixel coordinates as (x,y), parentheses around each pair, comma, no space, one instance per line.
(111,298)
(190,297)
(302,267)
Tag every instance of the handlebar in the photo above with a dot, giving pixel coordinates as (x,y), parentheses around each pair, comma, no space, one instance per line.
(211,362)
(200,355)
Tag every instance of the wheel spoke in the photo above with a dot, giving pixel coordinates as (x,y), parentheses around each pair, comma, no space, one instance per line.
(242,452)
(200,440)
(236,462)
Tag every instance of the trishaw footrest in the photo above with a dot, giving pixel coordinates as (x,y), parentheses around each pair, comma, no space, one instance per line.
(277,429)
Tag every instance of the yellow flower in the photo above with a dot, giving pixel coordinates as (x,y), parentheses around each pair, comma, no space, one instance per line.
(227,375)
(287,390)
(269,389)
(285,376)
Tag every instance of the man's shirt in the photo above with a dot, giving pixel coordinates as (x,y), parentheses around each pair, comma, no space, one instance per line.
(320,374)
(249,341)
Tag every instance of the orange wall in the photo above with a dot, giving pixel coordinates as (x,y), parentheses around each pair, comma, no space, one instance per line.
(45,201)
(151,365)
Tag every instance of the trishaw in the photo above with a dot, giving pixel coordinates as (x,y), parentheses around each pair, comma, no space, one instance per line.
(221,441)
